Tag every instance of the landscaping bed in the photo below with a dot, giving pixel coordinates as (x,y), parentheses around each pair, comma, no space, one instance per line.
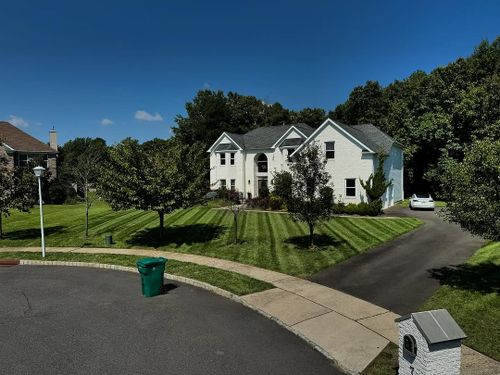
(266,240)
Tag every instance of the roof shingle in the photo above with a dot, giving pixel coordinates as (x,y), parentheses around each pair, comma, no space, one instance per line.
(18,140)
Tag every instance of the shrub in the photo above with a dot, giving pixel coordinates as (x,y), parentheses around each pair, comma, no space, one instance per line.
(282,185)
(229,195)
(364,209)
(259,202)
(276,203)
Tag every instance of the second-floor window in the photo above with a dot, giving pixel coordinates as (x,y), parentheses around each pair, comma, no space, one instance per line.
(231,158)
(223,159)
(330,150)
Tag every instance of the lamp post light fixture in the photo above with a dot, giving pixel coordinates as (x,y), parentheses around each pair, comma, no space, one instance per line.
(39,174)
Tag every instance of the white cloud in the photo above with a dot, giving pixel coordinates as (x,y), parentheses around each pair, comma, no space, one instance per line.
(206,86)
(18,121)
(106,121)
(144,116)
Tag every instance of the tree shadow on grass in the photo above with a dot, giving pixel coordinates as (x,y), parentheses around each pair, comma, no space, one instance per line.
(31,233)
(482,277)
(176,235)
(321,242)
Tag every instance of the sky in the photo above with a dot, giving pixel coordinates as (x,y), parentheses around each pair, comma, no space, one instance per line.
(118,68)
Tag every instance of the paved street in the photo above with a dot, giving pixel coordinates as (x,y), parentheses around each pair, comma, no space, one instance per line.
(62,320)
(396,275)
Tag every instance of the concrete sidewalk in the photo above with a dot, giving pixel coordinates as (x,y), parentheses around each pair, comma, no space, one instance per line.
(346,329)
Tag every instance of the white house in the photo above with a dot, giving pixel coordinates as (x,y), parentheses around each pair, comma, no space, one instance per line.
(246,162)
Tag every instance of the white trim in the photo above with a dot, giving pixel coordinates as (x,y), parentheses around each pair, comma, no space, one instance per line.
(286,133)
(216,143)
(6,145)
(333,123)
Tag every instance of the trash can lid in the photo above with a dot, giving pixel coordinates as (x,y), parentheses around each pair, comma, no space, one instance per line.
(151,262)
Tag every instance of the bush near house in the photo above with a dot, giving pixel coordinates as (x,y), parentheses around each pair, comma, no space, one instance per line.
(363,209)
(230,196)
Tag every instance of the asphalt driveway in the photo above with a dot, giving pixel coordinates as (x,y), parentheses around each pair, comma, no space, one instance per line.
(397,275)
(67,320)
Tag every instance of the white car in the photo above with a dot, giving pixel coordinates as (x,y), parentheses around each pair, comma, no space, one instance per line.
(422,201)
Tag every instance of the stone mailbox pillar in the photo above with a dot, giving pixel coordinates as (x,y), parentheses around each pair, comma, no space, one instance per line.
(429,344)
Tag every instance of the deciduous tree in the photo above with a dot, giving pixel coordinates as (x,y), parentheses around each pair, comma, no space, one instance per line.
(312,198)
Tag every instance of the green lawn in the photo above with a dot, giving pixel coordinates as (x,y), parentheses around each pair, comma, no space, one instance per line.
(471,293)
(227,280)
(268,240)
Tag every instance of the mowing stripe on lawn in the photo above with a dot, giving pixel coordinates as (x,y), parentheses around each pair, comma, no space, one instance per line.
(371,237)
(272,237)
(358,241)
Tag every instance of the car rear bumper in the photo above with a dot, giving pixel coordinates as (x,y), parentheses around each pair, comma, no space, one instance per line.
(423,205)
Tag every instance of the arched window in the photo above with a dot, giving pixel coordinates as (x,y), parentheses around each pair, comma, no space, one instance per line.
(262,163)
(410,345)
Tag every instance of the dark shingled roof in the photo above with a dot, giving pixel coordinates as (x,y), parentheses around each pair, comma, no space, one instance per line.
(292,142)
(18,140)
(266,136)
(436,326)
(370,136)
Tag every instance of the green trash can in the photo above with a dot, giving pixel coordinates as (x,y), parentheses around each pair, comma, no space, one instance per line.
(151,270)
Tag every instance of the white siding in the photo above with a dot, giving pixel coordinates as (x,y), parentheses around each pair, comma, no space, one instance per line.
(349,162)
(393,168)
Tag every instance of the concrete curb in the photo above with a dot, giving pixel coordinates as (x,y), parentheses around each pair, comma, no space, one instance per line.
(193,282)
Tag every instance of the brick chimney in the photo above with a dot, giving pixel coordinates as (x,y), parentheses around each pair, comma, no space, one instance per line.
(53,139)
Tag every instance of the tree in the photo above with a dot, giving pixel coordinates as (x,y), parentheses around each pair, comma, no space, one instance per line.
(17,188)
(473,189)
(312,198)
(85,170)
(159,175)
(310,116)
(377,184)
(435,115)
(282,185)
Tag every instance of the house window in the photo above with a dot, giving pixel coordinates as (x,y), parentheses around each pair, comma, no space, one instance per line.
(223,159)
(289,153)
(233,185)
(410,345)
(262,163)
(231,158)
(330,150)
(223,184)
(350,187)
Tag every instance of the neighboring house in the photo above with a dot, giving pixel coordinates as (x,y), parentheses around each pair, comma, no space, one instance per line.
(246,162)
(22,147)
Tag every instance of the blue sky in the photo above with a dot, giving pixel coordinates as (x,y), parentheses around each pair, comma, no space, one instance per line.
(76,64)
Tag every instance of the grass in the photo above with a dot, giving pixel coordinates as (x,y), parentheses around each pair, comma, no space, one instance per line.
(227,280)
(470,292)
(267,240)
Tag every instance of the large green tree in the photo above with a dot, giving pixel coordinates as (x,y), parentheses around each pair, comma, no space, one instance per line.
(435,115)
(212,112)
(473,189)
(312,198)
(18,188)
(159,175)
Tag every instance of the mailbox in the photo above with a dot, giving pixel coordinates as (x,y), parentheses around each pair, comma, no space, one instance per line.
(429,343)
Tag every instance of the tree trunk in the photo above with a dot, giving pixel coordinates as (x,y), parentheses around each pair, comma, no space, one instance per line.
(1,229)
(161,214)
(311,233)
